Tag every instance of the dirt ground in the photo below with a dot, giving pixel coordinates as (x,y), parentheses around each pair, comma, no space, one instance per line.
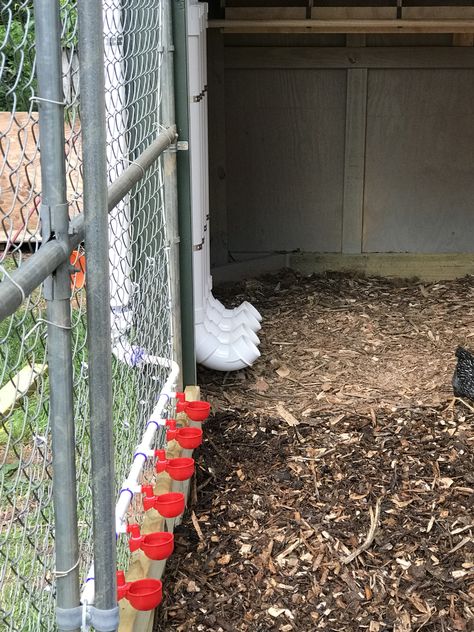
(335,485)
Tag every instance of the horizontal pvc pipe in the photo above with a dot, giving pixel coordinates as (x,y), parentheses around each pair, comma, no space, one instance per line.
(19,284)
(131,485)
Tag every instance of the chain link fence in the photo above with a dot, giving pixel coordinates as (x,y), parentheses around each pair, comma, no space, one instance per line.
(140,287)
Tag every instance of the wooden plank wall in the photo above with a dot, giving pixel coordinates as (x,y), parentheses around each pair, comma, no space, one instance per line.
(367,147)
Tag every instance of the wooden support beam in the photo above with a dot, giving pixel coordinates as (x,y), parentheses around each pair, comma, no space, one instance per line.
(426,267)
(354,160)
(463,39)
(401,57)
(344,26)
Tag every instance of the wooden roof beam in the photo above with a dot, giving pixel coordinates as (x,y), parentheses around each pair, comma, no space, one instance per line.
(344,26)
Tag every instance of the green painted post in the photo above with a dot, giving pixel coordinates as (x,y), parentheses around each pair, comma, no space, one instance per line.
(184,192)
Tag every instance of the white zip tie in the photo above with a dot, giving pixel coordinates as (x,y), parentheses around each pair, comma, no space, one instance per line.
(7,274)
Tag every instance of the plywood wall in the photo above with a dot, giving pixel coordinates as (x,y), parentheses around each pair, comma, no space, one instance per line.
(342,149)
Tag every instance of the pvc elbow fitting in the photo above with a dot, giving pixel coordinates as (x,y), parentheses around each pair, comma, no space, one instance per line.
(215,355)
(243,307)
(229,323)
(228,337)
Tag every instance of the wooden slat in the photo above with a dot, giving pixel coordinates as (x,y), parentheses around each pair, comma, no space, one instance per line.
(438,13)
(354,13)
(354,160)
(344,57)
(427,267)
(265,13)
(344,26)
(19,386)
(463,39)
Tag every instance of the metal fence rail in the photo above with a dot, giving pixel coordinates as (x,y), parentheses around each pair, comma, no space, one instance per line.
(45,362)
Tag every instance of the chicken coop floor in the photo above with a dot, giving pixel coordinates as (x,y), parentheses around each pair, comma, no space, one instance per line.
(335,485)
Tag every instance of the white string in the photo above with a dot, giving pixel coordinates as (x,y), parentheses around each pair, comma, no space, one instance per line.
(47,100)
(7,274)
(132,162)
(48,322)
(57,573)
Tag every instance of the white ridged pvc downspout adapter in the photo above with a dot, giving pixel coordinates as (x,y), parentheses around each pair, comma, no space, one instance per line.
(225,339)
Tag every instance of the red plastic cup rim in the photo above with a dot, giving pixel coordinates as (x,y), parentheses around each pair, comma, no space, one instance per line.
(158,546)
(170,505)
(145,594)
(180,469)
(198,411)
(189,438)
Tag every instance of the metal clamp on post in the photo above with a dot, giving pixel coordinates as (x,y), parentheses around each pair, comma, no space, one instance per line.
(100,620)
(199,246)
(55,226)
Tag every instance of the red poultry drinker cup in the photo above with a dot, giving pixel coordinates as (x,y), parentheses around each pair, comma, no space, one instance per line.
(156,546)
(143,594)
(170,505)
(179,469)
(188,438)
(195,410)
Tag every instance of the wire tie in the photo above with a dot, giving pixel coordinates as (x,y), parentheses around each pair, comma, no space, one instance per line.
(48,322)
(152,421)
(57,573)
(137,164)
(138,454)
(17,285)
(47,100)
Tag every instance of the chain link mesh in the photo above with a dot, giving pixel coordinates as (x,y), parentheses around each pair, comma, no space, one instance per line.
(140,300)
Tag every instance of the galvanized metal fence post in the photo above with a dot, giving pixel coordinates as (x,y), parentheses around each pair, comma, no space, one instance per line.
(57,290)
(91,47)
(171,181)
(184,192)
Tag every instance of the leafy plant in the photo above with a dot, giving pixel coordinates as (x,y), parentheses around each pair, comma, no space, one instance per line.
(17,56)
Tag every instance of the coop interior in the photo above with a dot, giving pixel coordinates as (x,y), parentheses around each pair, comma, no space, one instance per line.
(335,491)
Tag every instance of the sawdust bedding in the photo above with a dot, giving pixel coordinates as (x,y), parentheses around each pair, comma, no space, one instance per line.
(334,488)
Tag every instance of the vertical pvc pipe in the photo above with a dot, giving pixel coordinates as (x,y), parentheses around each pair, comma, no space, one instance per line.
(171,182)
(184,193)
(91,49)
(55,224)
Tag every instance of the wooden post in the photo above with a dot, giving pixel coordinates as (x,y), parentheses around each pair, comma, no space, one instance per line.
(354,158)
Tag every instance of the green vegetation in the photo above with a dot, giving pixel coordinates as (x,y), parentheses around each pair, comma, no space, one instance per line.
(17,51)
(17,55)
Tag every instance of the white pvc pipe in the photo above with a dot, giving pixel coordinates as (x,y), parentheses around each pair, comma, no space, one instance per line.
(131,484)
(228,337)
(239,354)
(225,338)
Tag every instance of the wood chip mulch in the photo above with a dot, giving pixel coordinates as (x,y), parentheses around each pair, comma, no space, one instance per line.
(335,485)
